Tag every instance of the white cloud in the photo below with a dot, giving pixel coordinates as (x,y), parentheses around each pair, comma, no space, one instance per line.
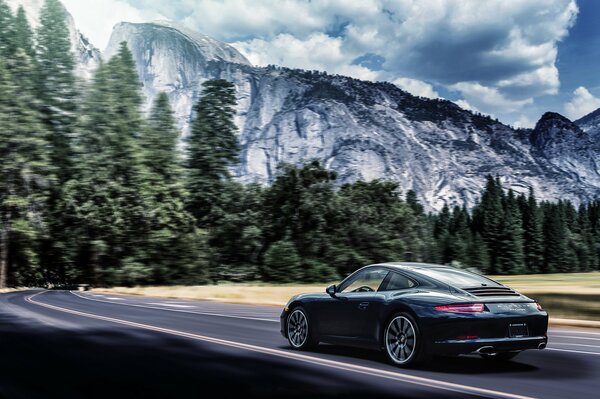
(416,87)
(317,52)
(503,51)
(524,121)
(489,98)
(465,105)
(96,19)
(582,103)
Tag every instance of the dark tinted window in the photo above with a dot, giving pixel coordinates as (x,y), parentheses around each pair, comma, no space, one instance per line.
(456,277)
(398,282)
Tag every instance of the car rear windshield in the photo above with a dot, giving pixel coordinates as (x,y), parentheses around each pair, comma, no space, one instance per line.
(456,277)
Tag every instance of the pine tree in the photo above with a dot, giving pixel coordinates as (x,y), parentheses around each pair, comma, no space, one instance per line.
(413,202)
(460,236)
(478,254)
(7,31)
(533,235)
(488,217)
(555,240)
(510,258)
(175,248)
(106,204)
(159,142)
(56,86)
(212,148)
(25,174)
(24,34)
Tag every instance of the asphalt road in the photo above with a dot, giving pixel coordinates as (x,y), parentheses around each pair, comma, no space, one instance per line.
(58,344)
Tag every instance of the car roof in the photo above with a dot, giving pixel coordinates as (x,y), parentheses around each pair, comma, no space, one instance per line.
(413,265)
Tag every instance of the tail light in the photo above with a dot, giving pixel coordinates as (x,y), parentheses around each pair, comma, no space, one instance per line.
(466,337)
(539,307)
(462,308)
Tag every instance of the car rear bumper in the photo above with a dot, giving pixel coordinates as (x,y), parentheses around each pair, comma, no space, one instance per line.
(488,345)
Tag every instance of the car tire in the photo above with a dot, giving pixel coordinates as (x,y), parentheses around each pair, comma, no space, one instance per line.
(403,342)
(500,357)
(299,331)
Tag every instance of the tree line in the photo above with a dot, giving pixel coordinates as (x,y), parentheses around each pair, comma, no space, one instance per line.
(93,189)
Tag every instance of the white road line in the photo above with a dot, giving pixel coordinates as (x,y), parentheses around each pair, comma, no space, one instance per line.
(572,351)
(115,298)
(412,379)
(574,337)
(171,305)
(573,344)
(177,310)
(574,332)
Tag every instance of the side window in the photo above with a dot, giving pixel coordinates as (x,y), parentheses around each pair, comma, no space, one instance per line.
(398,282)
(366,281)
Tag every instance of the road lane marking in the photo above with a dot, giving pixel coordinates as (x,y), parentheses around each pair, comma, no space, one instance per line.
(574,337)
(412,379)
(174,305)
(574,332)
(115,298)
(574,344)
(572,351)
(177,310)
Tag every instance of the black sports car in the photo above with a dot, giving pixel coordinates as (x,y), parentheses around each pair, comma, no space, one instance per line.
(412,311)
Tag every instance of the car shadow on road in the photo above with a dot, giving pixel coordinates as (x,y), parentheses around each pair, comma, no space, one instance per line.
(553,364)
(40,361)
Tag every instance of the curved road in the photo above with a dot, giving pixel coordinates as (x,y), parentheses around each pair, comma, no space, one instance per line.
(60,344)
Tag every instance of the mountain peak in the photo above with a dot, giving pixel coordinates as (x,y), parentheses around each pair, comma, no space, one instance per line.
(590,123)
(554,120)
(208,48)
(86,55)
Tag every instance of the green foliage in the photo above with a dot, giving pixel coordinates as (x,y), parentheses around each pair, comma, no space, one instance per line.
(56,83)
(282,263)
(212,149)
(23,35)
(25,173)
(93,190)
(7,31)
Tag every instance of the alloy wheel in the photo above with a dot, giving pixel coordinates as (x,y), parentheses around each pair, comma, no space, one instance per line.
(297,328)
(400,340)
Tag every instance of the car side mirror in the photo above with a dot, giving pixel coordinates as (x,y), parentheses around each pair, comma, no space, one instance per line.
(331,290)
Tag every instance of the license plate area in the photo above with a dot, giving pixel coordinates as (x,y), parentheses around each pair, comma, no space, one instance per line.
(518,330)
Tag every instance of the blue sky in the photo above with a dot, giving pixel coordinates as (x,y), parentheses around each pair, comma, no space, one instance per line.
(511,59)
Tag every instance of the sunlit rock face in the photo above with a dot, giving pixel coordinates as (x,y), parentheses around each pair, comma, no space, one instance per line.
(86,55)
(362,130)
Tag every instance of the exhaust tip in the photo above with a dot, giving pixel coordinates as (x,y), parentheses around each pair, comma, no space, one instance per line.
(542,345)
(486,350)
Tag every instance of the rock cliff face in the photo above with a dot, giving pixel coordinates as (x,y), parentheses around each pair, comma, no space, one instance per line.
(86,55)
(363,130)
(590,123)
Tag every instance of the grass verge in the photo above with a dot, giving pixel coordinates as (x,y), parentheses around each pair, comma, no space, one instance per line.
(571,296)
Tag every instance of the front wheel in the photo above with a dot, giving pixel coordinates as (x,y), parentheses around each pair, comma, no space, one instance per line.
(402,341)
(298,330)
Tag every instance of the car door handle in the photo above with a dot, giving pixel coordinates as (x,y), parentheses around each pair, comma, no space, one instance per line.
(363,305)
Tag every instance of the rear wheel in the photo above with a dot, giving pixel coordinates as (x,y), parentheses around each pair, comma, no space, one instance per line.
(501,357)
(403,343)
(298,330)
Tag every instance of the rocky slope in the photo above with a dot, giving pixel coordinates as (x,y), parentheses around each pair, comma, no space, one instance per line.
(363,130)
(590,123)
(86,55)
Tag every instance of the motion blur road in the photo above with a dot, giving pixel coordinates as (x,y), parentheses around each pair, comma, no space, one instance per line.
(60,344)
